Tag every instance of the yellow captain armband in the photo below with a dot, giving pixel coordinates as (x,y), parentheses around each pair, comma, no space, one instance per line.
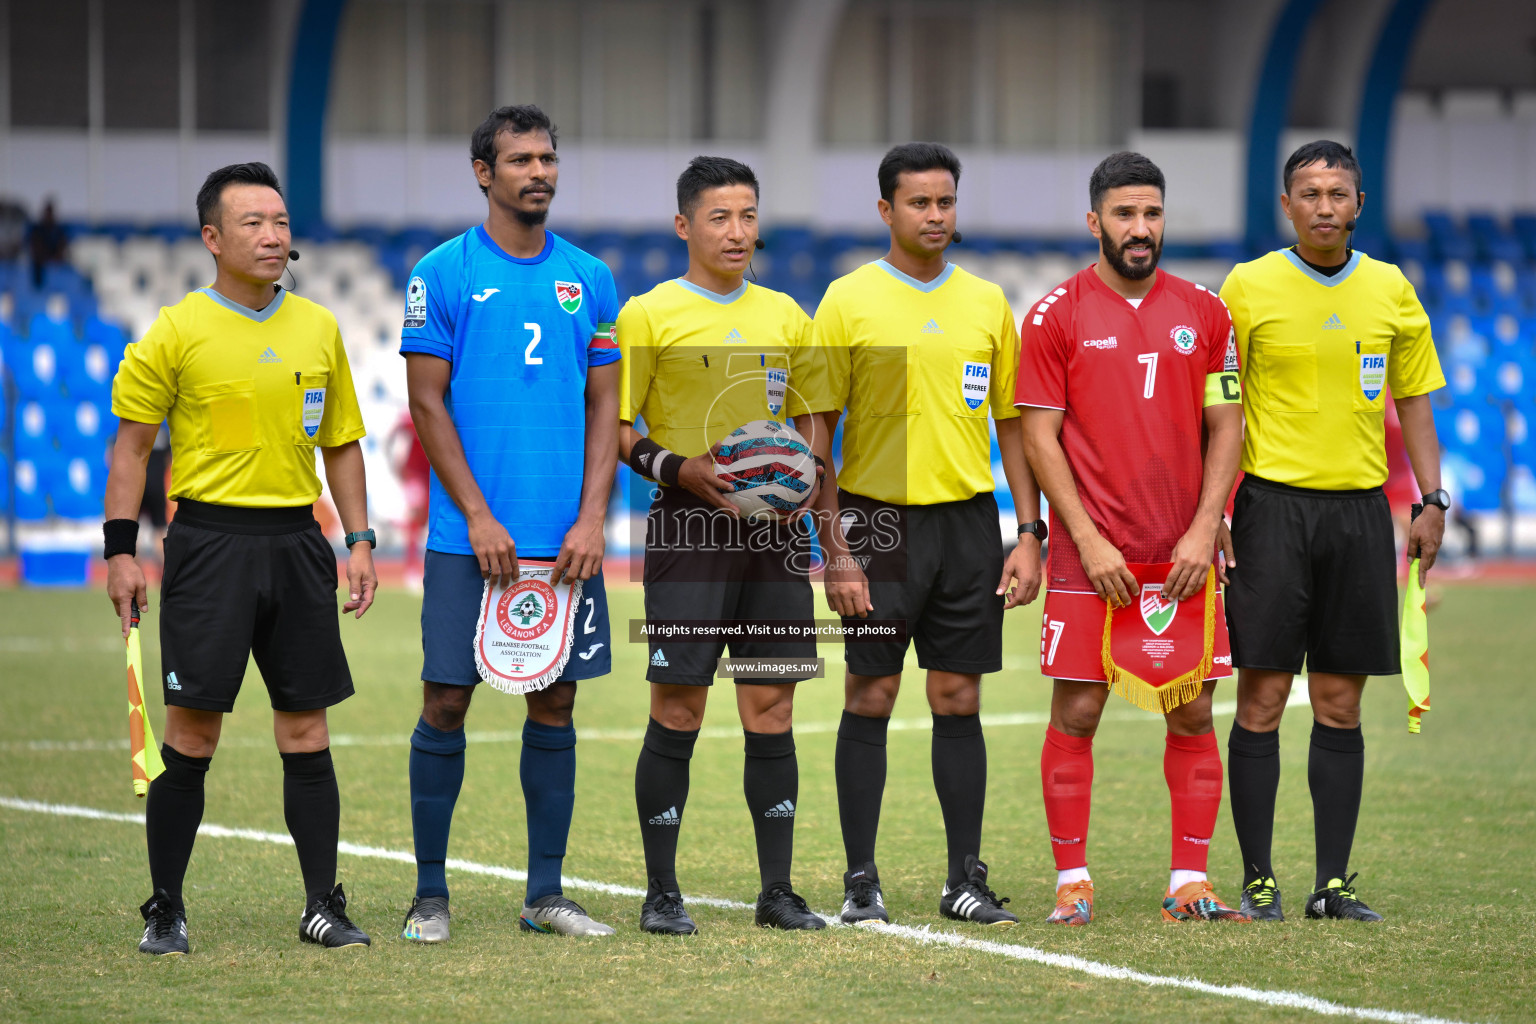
(1222,389)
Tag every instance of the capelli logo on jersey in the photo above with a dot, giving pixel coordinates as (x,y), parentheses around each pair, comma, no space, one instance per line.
(1102,343)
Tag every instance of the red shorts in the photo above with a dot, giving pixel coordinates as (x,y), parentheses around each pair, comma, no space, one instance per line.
(1072,637)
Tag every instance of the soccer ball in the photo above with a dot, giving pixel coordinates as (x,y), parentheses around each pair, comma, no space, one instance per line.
(771,467)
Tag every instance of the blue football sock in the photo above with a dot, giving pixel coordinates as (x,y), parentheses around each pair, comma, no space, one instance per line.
(437,772)
(549,791)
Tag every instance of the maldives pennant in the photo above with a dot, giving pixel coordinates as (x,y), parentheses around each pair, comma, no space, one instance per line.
(143,752)
(1415,648)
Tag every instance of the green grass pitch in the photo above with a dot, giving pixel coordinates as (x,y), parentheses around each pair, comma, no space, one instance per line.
(1444,851)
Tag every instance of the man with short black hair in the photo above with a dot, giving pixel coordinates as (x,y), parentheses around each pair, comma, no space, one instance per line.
(512,371)
(920,352)
(252,380)
(1128,382)
(705,354)
(1324,331)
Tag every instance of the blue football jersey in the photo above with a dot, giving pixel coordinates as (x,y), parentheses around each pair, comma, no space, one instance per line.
(520,334)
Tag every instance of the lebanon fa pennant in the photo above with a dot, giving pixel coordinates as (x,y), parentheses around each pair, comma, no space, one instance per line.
(526,629)
(1159,651)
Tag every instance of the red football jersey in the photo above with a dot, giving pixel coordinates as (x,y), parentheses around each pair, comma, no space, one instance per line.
(1131,382)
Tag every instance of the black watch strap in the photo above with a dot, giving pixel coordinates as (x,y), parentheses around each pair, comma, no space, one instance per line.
(1037,528)
(1438,498)
(367,535)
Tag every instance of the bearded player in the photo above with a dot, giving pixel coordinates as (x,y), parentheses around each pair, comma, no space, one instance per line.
(1122,370)
(512,371)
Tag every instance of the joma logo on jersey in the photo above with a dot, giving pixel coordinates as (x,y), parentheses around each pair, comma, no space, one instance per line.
(975,379)
(568,294)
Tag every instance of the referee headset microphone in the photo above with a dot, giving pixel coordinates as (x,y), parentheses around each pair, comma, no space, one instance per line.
(293,257)
(759,244)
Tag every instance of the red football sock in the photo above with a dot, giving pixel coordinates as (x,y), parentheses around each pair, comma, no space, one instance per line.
(1192,766)
(1066,776)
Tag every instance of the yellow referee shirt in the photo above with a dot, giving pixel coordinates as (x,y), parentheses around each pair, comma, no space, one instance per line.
(249,394)
(1317,354)
(697,364)
(917,365)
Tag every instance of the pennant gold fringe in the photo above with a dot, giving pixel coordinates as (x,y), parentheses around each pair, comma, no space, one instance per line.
(1163,699)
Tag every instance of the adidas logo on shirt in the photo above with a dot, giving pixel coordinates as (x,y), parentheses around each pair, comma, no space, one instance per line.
(782,809)
(734,336)
(171,682)
(659,660)
(667,817)
(269,356)
(1333,323)
(932,327)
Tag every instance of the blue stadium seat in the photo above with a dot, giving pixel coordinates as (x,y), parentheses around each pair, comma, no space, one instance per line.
(1492,240)
(77,487)
(33,437)
(1474,446)
(35,369)
(31,497)
(84,430)
(89,374)
(1524,226)
(1447,238)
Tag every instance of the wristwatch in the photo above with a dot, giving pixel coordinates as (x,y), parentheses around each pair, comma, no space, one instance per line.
(367,535)
(1037,528)
(1439,499)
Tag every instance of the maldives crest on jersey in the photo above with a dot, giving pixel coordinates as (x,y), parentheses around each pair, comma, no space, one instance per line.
(1373,374)
(1154,657)
(1183,339)
(313,410)
(975,379)
(568,294)
(524,636)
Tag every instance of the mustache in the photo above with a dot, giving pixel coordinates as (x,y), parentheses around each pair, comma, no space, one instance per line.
(537,187)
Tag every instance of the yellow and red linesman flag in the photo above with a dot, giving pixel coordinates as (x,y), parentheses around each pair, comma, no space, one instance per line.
(143,752)
(1415,648)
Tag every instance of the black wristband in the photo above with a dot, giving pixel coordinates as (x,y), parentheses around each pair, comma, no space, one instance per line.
(120,537)
(820,462)
(670,467)
(654,462)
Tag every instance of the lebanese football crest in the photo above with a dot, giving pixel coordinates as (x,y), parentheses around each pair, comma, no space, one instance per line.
(1183,339)
(525,611)
(975,379)
(778,384)
(1156,610)
(568,295)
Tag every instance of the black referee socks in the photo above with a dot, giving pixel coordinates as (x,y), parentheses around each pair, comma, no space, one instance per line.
(1253,773)
(171,816)
(1335,774)
(661,792)
(312,809)
(960,779)
(770,777)
(860,770)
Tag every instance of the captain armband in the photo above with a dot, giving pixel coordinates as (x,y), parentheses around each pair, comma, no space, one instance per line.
(1223,389)
(654,462)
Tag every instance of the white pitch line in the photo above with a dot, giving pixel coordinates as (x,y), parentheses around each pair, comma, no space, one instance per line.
(1219,709)
(923,936)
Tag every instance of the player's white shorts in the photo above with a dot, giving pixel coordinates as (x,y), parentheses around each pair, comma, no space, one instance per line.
(1072,637)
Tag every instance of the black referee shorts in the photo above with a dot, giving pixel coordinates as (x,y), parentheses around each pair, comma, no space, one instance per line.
(704,567)
(1315,581)
(250,581)
(935,567)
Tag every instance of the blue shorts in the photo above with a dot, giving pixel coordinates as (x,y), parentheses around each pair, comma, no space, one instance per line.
(450,608)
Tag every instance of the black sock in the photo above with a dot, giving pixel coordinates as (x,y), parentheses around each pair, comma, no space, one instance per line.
(661,792)
(312,809)
(860,770)
(1335,774)
(171,816)
(1253,771)
(771,780)
(960,778)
